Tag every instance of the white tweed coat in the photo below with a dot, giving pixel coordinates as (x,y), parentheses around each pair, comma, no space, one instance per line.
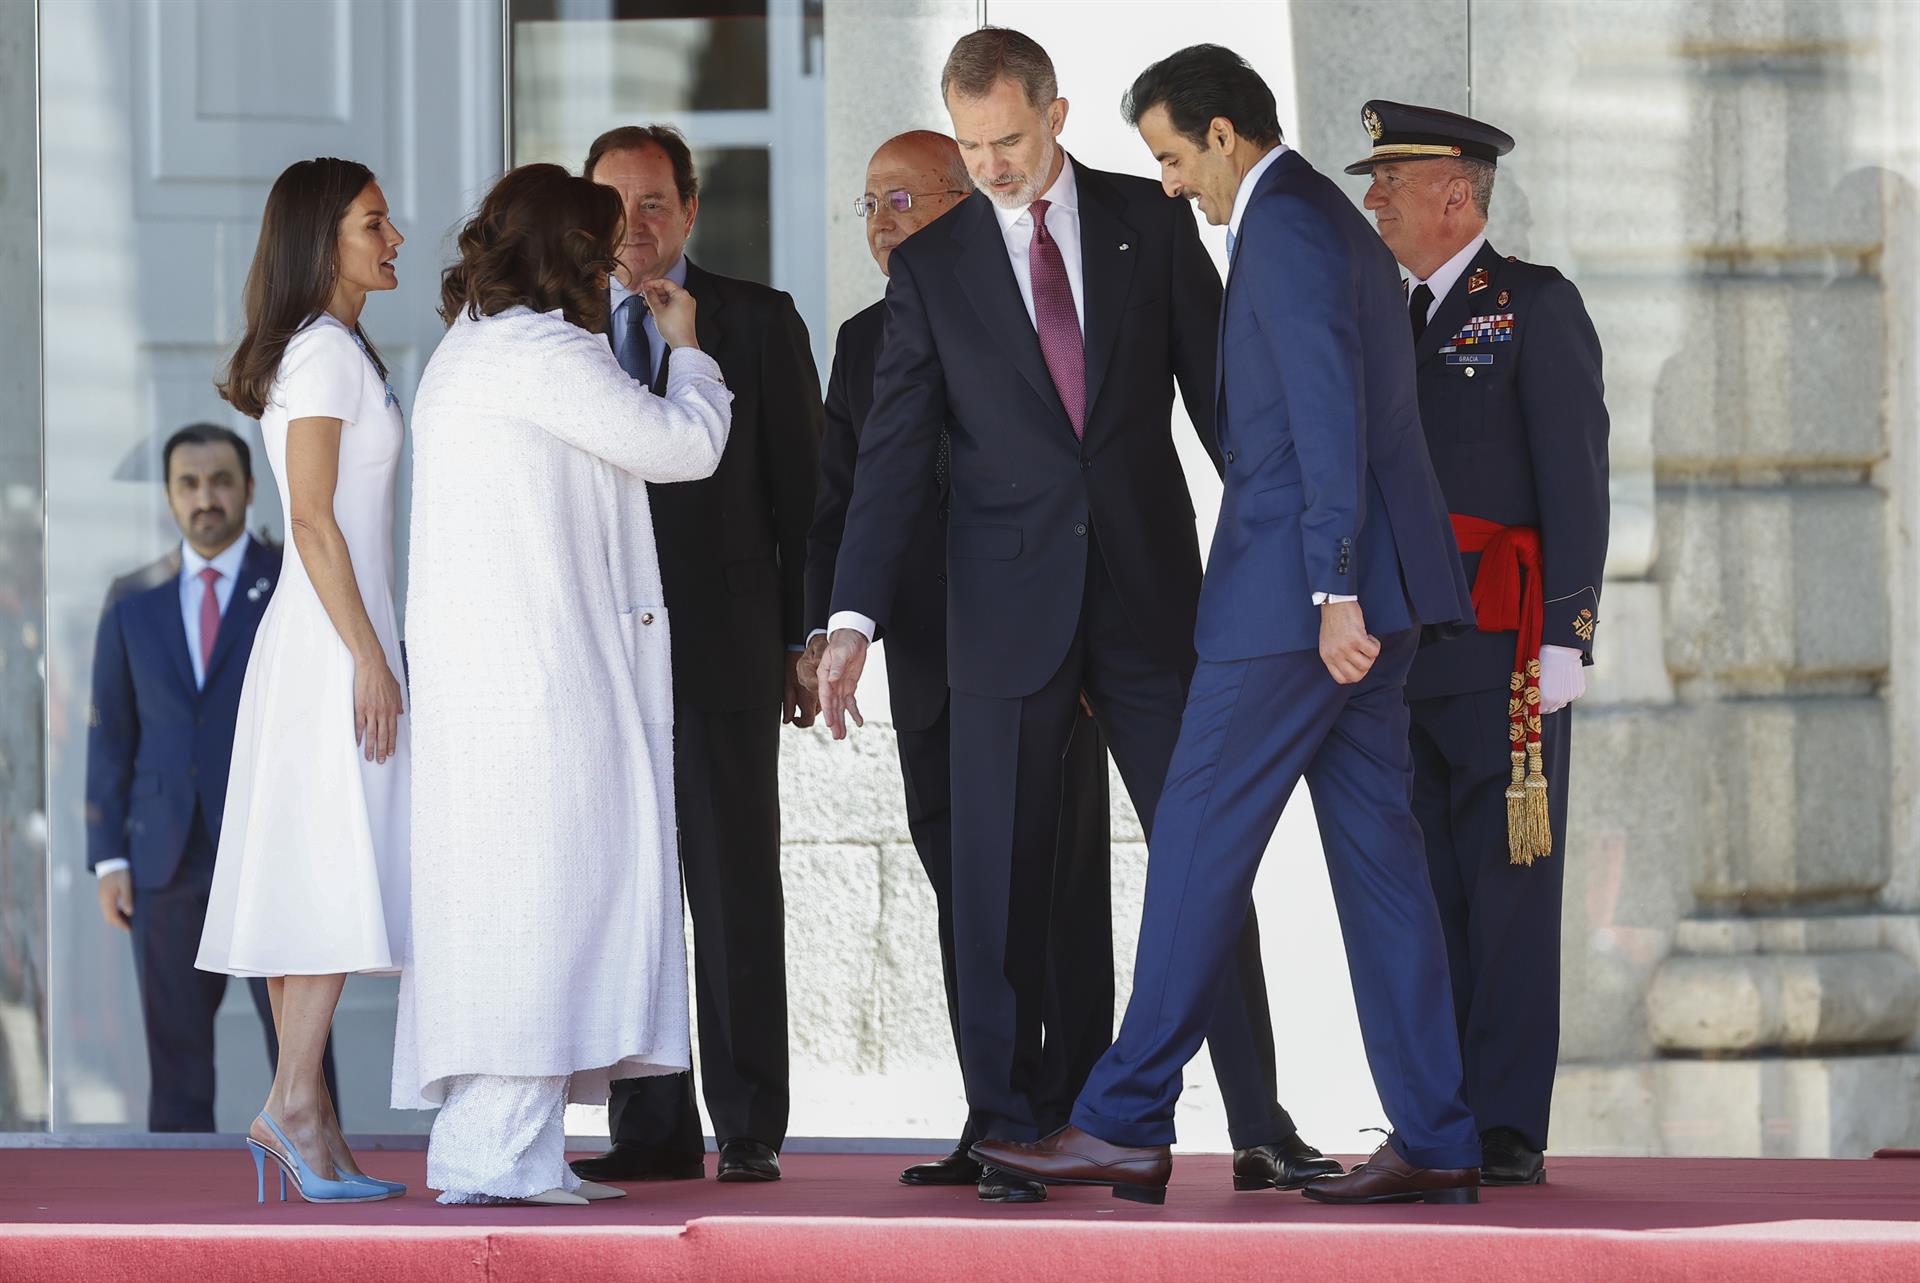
(546,888)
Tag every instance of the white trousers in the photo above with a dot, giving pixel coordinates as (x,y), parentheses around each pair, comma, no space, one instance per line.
(499,1138)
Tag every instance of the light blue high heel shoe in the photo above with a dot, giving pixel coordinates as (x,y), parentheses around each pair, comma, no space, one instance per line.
(394,1189)
(309,1186)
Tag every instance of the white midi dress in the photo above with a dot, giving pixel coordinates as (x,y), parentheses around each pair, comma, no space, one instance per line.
(547,955)
(311,877)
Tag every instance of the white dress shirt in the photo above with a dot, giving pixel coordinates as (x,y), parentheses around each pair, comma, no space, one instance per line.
(1243,195)
(618,294)
(1016,227)
(192,592)
(1444,277)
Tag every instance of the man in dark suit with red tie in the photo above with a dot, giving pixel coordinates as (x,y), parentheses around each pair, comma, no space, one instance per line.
(168,664)
(1045,322)
(913,179)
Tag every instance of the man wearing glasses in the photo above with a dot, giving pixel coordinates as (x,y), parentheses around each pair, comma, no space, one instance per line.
(912,180)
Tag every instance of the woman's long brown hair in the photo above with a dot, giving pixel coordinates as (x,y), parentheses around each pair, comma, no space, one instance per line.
(542,239)
(294,269)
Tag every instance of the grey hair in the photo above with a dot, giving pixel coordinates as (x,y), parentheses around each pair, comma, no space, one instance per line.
(1479,176)
(980,59)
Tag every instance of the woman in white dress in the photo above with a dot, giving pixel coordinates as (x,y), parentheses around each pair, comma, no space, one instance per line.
(310,884)
(547,956)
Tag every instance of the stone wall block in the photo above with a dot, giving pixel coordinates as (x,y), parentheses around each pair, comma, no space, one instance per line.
(1766,589)
(1634,821)
(844,792)
(1753,378)
(1796,804)
(835,958)
(1630,664)
(1769,1107)
(1781,1002)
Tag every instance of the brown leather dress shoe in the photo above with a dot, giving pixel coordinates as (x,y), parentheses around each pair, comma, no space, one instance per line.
(1388,1178)
(1073,1157)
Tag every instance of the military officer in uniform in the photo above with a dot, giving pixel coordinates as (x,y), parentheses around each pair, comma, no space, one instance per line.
(1510,396)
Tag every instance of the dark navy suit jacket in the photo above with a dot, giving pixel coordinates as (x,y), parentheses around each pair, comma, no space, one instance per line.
(157,747)
(1025,494)
(916,632)
(1328,484)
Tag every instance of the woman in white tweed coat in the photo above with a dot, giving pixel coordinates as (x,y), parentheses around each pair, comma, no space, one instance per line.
(547,955)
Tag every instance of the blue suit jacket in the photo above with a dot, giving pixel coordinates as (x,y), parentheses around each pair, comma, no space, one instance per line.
(1328,483)
(156,747)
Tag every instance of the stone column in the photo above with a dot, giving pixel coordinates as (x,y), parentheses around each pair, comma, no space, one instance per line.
(23,779)
(883,78)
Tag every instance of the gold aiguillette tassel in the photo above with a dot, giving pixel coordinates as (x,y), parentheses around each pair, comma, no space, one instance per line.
(1517,847)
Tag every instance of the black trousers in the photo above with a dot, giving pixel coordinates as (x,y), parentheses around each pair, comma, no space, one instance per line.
(178,1001)
(1078,1006)
(727,796)
(1501,920)
(1008,784)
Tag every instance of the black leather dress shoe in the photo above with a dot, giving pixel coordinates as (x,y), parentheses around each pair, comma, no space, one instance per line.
(957,1168)
(626,1162)
(1507,1159)
(748,1160)
(1287,1164)
(996,1186)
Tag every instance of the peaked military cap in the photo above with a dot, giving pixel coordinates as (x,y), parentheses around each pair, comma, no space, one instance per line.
(1403,132)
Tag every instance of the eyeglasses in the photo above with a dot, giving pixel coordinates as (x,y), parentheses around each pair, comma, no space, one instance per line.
(901,202)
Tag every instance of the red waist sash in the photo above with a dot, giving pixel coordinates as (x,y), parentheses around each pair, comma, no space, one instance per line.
(1507,597)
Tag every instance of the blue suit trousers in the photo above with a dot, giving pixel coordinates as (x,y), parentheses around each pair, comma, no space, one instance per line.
(1252,729)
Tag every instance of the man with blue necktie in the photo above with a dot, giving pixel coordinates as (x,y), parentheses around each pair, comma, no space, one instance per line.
(168,664)
(1332,551)
(733,551)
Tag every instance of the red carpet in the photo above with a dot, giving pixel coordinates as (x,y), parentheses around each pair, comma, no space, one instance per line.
(163,1215)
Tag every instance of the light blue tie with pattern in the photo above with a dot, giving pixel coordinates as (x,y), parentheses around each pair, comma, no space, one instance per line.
(633,351)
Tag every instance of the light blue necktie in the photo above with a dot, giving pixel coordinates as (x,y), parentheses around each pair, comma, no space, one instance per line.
(633,351)
(1232,240)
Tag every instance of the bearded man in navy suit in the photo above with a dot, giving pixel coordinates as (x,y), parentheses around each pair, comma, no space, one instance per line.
(168,664)
(1332,551)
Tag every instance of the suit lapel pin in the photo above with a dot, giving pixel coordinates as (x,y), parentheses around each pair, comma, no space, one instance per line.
(259,589)
(1124,246)
(1478,281)
(1504,297)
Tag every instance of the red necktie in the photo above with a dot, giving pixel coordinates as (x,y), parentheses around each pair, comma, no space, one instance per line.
(1055,320)
(209,618)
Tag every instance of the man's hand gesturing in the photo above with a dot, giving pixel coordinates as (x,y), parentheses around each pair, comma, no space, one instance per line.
(840,670)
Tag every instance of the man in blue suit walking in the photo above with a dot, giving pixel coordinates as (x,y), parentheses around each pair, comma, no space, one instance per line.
(1333,550)
(167,669)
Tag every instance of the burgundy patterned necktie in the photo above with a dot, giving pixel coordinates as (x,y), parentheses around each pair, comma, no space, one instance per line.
(1055,320)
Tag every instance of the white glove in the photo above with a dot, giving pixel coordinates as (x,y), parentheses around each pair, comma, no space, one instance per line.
(1563,678)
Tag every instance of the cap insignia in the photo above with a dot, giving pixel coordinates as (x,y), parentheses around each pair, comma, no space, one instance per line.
(1371,119)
